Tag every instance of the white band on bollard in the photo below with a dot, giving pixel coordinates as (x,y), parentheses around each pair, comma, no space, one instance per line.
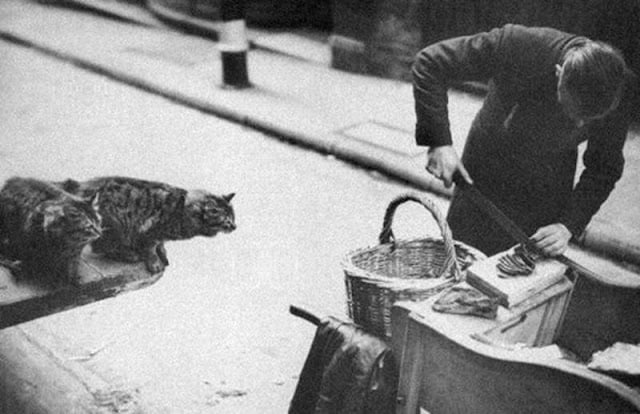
(233,36)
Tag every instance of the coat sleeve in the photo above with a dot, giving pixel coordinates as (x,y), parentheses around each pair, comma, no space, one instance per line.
(446,63)
(603,161)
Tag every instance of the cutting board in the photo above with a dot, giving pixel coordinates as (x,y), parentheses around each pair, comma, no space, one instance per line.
(483,275)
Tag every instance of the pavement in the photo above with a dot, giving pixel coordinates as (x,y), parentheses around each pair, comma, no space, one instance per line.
(295,94)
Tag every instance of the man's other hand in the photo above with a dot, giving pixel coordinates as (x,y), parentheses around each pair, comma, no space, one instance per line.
(443,162)
(552,240)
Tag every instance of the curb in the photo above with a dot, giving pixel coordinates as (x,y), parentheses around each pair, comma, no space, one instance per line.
(105,9)
(193,24)
(206,28)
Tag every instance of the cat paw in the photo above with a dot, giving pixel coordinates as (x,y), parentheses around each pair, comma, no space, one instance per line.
(162,253)
(126,256)
(15,266)
(129,256)
(155,265)
(74,280)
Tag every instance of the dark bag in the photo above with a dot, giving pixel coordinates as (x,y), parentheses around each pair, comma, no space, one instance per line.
(347,371)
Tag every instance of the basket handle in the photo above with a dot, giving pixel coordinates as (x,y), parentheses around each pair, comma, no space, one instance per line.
(387,236)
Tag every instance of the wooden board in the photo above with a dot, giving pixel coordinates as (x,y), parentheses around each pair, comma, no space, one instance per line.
(483,275)
(21,301)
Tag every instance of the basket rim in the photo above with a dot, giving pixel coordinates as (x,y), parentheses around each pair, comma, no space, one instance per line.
(354,271)
(401,285)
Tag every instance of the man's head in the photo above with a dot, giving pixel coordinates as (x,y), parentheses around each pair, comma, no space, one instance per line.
(590,81)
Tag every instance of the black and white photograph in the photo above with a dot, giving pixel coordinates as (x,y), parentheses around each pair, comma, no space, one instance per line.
(319,207)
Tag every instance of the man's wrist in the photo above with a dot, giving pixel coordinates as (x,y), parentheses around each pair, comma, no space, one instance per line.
(433,148)
(572,228)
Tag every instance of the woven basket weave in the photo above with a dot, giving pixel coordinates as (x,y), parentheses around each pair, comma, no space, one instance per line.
(376,277)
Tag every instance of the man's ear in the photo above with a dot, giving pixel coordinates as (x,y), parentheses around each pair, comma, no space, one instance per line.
(558,70)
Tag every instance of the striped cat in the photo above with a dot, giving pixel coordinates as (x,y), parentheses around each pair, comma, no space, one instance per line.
(43,230)
(139,216)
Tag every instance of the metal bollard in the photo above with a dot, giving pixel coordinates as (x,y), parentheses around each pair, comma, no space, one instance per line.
(234,44)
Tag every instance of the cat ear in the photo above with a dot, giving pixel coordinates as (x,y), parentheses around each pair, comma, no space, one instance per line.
(228,197)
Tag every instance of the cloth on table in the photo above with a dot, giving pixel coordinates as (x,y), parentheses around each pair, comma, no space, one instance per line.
(467,301)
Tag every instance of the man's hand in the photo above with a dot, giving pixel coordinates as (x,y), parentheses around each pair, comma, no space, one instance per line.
(443,162)
(552,240)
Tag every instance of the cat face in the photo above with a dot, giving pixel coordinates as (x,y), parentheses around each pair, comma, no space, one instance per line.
(74,222)
(211,214)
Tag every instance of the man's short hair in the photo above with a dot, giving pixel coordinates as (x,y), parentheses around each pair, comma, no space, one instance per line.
(594,75)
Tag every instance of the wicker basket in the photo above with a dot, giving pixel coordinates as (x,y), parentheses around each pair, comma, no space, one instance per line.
(395,270)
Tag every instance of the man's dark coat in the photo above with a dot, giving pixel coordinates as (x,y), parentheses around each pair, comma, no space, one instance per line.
(522,149)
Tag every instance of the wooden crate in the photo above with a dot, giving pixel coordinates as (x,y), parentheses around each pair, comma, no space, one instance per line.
(538,320)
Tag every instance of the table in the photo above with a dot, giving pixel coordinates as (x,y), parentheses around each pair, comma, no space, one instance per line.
(21,301)
(460,364)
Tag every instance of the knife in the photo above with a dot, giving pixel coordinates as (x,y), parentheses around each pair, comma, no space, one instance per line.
(506,223)
(491,210)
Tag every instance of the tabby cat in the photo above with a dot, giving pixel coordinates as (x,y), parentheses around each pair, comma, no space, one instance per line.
(139,216)
(44,230)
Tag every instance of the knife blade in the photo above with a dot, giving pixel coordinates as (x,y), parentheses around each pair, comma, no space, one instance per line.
(490,209)
(506,223)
